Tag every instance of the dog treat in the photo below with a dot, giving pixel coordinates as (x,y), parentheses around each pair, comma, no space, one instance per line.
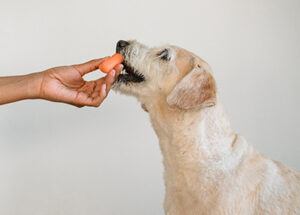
(109,63)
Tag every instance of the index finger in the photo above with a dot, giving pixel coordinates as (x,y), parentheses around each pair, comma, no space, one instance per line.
(89,66)
(118,68)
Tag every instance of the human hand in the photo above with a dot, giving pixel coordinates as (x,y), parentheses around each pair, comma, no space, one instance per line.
(66,84)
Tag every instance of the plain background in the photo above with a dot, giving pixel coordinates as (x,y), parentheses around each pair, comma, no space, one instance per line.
(58,159)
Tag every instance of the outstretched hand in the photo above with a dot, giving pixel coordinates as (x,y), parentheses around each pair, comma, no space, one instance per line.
(66,84)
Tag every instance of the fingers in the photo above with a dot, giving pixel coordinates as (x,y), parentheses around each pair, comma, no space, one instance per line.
(103,91)
(94,93)
(97,100)
(114,73)
(118,68)
(110,77)
(89,66)
(84,99)
(106,83)
(102,88)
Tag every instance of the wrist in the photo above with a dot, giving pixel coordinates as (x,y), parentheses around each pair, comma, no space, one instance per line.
(33,85)
(15,88)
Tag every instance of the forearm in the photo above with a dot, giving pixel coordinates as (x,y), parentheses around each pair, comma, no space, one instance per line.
(15,88)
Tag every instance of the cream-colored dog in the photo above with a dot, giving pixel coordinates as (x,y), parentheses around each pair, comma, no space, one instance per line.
(209,169)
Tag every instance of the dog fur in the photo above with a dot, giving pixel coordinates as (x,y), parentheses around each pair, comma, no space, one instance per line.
(209,169)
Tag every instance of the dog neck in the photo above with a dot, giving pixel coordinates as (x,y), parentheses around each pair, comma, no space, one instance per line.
(199,151)
(192,139)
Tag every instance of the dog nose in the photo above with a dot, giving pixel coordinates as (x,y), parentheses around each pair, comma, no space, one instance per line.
(121,44)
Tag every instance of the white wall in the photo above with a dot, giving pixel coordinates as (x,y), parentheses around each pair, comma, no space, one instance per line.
(57,159)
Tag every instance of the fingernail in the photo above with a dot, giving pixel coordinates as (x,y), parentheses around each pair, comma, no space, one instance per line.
(103,90)
(113,73)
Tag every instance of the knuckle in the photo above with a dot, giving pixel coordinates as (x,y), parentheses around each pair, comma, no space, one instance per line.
(98,103)
(93,61)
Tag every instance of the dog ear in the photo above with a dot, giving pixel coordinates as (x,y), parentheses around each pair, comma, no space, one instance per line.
(196,90)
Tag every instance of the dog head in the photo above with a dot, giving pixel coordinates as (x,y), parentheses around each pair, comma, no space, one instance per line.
(170,73)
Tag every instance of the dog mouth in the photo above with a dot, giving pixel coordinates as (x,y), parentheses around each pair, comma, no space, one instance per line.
(130,75)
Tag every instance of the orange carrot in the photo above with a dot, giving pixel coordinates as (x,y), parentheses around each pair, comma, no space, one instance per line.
(109,63)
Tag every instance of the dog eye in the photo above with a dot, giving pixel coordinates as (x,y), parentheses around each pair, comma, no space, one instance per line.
(164,55)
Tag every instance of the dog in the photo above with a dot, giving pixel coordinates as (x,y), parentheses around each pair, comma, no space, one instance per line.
(209,169)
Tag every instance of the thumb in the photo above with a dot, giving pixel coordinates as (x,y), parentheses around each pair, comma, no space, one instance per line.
(89,66)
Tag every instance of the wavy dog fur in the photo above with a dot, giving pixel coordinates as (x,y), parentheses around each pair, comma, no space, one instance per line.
(209,169)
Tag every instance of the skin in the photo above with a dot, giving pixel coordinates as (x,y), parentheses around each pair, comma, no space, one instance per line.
(63,84)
